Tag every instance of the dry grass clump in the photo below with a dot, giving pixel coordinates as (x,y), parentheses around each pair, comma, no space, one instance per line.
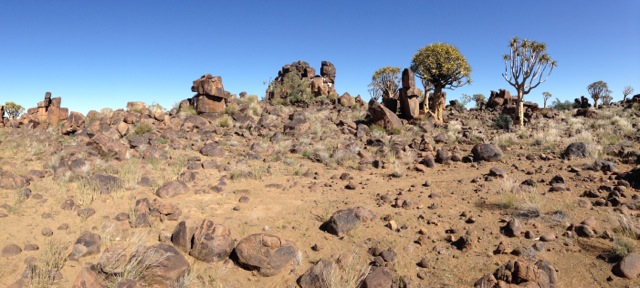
(625,235)
(348,273)
(130,172)
(52,258)
(224,121)
(524,201)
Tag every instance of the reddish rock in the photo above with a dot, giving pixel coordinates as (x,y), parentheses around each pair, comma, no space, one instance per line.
(172,189)
(346,220)
(211,242)
(268,254)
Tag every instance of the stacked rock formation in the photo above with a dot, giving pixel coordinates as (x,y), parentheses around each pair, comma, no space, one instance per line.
(582,102)
(48,111)
(499,98)
(319,85)
(210,95)
(503,102)
(409,102)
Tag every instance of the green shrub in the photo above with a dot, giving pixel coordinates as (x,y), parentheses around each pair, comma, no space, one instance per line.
(292,90)
(144,128)
(559,105)
(503,121)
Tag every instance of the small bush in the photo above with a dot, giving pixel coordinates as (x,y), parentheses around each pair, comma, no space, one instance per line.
(143,128)
(224,121)
(503,121)
(562,106)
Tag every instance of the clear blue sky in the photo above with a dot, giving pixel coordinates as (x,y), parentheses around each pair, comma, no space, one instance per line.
(99,54)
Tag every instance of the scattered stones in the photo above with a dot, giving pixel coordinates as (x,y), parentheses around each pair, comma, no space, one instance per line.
(538,274)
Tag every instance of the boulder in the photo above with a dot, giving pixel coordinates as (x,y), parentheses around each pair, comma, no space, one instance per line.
(211,242)
(169,269)
(108,147)
(629,267)
(575,150)
(86,245)
(521,273)
(346,220)
(486,152)
(172,189)
(268,254)
(318,276)
(383,117)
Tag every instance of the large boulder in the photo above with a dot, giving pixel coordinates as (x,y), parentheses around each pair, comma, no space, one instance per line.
(211,242)
(575,150)
(172,189)
(384,117)
(268,254)
(108,147)
(486,152)
(343,221)
(318,276)
(209,85)
(86,245)
(629,267)
(169,266)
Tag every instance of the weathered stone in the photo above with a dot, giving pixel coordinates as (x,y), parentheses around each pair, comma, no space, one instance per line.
(87,244)
(87,278)
(169,269)
(629,267)
(486,152)
(319,275)
(379,277)
(575,150)
(268,254)
(384,117)
(10,250)
(211,242)
(172,189)
(346,220)
(108,147)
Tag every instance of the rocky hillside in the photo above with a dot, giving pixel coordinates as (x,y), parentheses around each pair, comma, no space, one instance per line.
(336,194)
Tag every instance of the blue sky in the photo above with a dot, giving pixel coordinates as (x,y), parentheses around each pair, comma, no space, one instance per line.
(99,54)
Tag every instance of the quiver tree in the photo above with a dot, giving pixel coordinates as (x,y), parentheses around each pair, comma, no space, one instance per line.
(626,92)
(545,96)
(13,110)
(597,90)
(526,66)
(428,87)
(443,66)
(386,81)
(480,100)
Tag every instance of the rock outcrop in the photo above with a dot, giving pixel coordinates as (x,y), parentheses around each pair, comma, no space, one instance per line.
(48,111)
(409,96)
(210,95)
(318,85)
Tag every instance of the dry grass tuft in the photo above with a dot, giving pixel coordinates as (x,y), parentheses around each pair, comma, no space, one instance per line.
(51,260)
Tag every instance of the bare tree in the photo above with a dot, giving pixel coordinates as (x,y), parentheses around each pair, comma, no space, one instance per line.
(526,66)
(427,88)
(628,90)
